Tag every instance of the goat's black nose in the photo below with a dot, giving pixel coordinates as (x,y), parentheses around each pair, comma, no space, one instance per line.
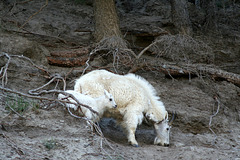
(166,145)
(115,106)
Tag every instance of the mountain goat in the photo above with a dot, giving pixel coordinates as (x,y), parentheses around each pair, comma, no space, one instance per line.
(136,99)
(99,104)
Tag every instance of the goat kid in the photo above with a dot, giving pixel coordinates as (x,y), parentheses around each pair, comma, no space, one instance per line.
(99,104)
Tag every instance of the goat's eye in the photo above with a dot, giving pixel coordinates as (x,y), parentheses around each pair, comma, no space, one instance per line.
(110,99)
(167,129)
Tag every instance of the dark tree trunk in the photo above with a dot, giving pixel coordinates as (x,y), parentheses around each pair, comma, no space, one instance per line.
(210,10)
(180,16)
(106,20)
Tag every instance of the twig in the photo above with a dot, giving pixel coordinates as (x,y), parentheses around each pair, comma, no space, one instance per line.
(34,91)
(89,57)
(211,117)
(49,99)
(4,75)
(35,94)
(115,52)
(145,49)
(15,111)
(84,118)
(169,73)
(129,50)
(97,129)
(46,3)
(29,60)
(27,95)
(57,76)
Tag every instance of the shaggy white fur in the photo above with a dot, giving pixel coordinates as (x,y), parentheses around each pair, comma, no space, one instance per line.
(136,98)
(99,104)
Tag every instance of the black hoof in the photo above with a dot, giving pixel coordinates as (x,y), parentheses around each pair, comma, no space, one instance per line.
(166,145)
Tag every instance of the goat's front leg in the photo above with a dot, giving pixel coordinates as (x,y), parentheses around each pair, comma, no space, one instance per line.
(130,124)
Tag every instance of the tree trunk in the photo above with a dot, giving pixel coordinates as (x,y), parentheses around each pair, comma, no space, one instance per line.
(210,10)
(180,16)
(106,20)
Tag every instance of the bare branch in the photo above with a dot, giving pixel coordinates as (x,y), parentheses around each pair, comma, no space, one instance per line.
(57,76)
(3,70)
(29,60)
(145,49)
(215,114)
(38,92)
(15,111)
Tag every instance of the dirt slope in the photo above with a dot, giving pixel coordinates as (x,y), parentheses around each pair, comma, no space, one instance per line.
(52,133)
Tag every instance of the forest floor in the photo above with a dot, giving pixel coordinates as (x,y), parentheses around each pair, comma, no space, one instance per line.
(208,122)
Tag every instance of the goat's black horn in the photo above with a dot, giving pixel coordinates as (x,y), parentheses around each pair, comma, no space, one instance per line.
(172,119)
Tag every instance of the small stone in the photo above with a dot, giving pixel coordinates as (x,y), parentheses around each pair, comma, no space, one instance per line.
(22,134)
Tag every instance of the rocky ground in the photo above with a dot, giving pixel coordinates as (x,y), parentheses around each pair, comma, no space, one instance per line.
(208,123)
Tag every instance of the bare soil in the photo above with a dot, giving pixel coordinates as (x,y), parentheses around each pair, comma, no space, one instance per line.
(50,132)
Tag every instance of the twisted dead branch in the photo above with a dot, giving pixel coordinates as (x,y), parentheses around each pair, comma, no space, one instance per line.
(211,117)
(35,93)
(39,92)
(3,70)
(56,76)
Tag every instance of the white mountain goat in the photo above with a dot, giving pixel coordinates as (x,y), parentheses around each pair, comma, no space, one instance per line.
(136,99)
(99,104)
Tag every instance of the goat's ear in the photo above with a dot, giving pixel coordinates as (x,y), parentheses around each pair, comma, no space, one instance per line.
(105,92)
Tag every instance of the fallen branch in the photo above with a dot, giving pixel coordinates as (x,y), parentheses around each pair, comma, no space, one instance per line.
(38,92)
(174,70)
(201,69)
(34,94)
(49,99)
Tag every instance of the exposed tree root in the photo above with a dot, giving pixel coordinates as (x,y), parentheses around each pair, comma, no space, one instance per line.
(171,69)
(69,58)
